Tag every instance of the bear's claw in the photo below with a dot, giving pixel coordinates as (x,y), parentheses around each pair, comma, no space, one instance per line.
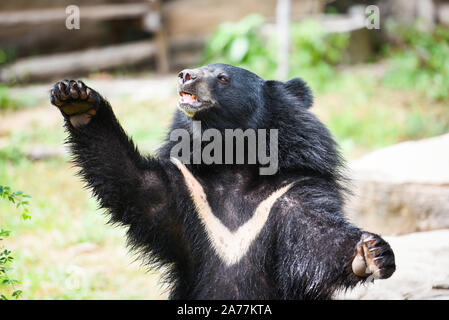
(374,257)
(73,97)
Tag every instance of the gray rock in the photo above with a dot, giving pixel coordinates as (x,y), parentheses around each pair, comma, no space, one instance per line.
(402,188)
(422,272)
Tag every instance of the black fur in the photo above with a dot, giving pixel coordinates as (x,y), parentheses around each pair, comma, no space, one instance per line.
(306,248)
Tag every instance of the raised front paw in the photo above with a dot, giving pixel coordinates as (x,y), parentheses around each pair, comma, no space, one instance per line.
(75,100)
(374,257)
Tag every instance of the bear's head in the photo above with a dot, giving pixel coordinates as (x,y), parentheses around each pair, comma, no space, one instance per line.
(234,96)
(227,97)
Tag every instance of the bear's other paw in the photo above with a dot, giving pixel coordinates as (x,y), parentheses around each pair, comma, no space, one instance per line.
(374,257)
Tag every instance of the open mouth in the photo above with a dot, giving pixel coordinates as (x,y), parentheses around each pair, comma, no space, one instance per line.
(189,99)
(189,103)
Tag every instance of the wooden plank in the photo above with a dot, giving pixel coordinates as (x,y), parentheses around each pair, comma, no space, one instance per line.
(201,17)
(98,12)
(81,61)
(340,23)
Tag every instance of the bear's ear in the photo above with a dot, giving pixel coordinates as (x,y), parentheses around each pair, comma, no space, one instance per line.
(299,89)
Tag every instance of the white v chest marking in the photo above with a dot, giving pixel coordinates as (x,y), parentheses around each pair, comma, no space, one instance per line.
(230,246)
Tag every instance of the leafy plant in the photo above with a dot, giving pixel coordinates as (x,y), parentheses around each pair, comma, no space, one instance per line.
(421,62)
(241,44)
(314,52)
(7,284)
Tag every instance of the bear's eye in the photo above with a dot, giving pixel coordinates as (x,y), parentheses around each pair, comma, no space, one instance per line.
(222,78)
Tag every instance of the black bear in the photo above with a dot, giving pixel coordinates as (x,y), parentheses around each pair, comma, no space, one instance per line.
(225,230)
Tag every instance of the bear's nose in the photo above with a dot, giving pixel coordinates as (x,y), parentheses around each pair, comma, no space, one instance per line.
(187,75)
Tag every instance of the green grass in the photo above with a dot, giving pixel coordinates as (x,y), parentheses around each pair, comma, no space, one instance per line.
(364,115)
(67,251)
(10,102)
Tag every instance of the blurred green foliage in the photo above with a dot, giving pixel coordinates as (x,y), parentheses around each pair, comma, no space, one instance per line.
(7,55)
(11,153)
(373,113)
(241,44)
(9,102)
(421,62)
(7,284)
(6,100)
(313,53)
(50,255)
(364,115)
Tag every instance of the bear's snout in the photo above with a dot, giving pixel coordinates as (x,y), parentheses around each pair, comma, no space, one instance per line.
(188,75)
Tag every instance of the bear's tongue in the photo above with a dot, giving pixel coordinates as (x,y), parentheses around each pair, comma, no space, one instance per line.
(188,98)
